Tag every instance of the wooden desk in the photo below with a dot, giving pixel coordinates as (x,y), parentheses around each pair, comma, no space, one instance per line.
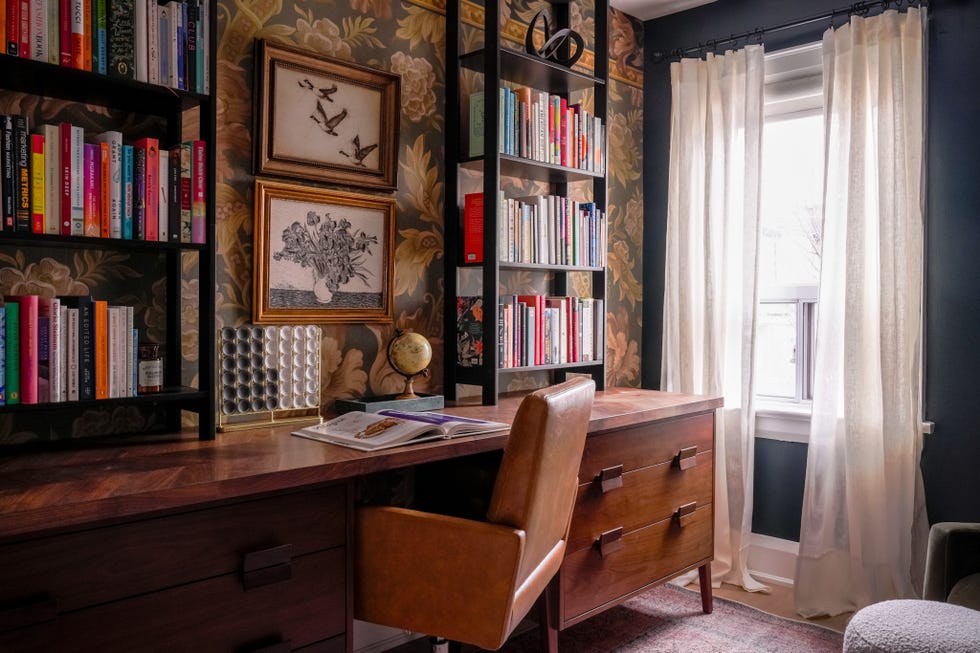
(243,543)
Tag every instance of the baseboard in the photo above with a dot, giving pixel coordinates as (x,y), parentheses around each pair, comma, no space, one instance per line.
(372,638)
(773,560)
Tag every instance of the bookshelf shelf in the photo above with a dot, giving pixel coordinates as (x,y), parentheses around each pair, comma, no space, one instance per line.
(497,67)
(172,116)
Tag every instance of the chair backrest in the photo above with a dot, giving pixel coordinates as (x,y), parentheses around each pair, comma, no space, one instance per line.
(538,477)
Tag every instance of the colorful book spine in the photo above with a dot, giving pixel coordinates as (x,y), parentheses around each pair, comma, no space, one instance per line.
(65,176)
(11,336)
(37,183)
(23,34)
(64,32)
(91,189)
(127,192)
(163,197)
(88,31)
(139,193)
(122,44)
(173,210)
(53,30)
(473,228)
(185,193)
(71,354)
(77,177)
(39,30)
(8,170)
(112,171)
(13,27)
(52,178)
(151,187)
(28,347)
(101,313)
(78,34)
(22,159)
(3,354)
(100,47)
(199,193)
(84,344)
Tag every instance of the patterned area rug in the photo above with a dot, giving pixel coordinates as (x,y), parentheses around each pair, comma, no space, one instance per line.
(669,619)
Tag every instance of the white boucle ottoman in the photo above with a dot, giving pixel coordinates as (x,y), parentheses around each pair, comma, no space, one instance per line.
(913,626)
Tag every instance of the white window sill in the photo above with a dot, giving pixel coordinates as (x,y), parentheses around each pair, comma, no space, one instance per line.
(788,421)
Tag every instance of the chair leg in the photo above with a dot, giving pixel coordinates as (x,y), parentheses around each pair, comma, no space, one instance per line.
(548,619)
(439,645)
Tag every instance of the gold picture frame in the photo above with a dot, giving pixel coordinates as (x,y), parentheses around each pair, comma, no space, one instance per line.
(321,256)
(323,119)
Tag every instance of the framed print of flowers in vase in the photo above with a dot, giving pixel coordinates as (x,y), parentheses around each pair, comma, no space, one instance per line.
(321,255)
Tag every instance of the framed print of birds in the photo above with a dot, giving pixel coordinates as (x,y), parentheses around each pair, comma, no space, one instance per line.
(323,119)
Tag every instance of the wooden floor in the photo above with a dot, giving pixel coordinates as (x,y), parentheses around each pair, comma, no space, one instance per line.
(779,601)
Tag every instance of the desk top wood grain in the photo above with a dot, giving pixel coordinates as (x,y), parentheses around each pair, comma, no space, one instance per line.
(46,493)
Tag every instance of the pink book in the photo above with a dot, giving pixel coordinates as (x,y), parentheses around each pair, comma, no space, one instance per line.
(92,190)
(198,193)
(65,130)
(151,146)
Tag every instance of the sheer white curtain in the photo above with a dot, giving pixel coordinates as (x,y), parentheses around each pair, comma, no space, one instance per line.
(863,499)
(710,293)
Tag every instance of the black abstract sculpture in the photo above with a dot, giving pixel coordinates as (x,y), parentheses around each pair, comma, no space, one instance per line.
(554,43)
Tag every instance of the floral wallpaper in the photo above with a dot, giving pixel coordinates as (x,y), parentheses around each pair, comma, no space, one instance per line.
(406,37)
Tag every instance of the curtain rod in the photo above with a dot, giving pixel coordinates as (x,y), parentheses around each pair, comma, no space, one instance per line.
(858,8)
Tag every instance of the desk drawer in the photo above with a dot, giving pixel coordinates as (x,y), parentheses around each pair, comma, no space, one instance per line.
(649,444)
(646,496)
(105,564)
(590,581)
(211,616)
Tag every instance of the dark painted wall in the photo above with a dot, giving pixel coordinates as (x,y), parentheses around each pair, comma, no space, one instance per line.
(780,468)
(951,457)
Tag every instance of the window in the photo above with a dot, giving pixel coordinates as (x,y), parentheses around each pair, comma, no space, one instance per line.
(790,223)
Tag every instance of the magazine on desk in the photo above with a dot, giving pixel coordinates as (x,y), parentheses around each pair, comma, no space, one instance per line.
(393,428)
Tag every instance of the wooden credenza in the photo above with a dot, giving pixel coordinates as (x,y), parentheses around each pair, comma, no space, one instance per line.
(243,543)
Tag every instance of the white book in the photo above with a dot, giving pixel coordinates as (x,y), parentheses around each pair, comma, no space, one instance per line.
(63,353)
(55,354)
(152,42)
(140,49)
(52,178)
(71,369)
(77,181)
(39,29)
(115,141)
(113,355)
(131,349)
(174,41)
(163,31)
(163,224)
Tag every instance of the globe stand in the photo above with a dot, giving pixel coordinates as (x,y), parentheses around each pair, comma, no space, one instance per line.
(409,392)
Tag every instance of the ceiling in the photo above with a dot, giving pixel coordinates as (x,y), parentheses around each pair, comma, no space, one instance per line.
(647,9)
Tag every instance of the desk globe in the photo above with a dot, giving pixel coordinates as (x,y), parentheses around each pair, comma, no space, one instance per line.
(409,354)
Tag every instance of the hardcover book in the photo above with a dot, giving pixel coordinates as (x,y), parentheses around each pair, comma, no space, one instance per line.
(22,175)
(473,228)
(198,192)
(393,428)
(100,310)
(469,331)
(52,178)
(11,336)
(122,39)
(150,187)
(476,123)
(28,346)
(8,170)
(85,343)
(113,182)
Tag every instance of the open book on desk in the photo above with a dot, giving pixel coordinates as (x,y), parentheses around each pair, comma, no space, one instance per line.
(392,428)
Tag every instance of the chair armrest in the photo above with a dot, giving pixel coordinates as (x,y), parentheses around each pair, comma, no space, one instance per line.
(953,552)
(435,574)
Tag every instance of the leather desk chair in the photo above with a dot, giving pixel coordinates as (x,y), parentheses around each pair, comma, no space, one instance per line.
(473,581)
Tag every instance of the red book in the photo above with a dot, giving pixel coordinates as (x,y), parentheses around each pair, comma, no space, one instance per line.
(24,33)
(198,192)
(101,310)
(563,142)
(28,347)
(92,210)
(537,301)
(65,130)
(151,146)
(13,27)
(37,183)
(64,31)
(473,228)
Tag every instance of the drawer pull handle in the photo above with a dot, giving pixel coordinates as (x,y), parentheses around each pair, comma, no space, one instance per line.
(611,541)
(685,513)
(267,566)
(687,457)
(28,611)
(611,478)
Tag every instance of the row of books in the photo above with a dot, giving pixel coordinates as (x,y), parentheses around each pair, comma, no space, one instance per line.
(540,330)
(162,43)
(542,127)
(66,348)
(58,180)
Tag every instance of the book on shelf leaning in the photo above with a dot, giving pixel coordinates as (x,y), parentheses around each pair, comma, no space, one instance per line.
(393,428)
